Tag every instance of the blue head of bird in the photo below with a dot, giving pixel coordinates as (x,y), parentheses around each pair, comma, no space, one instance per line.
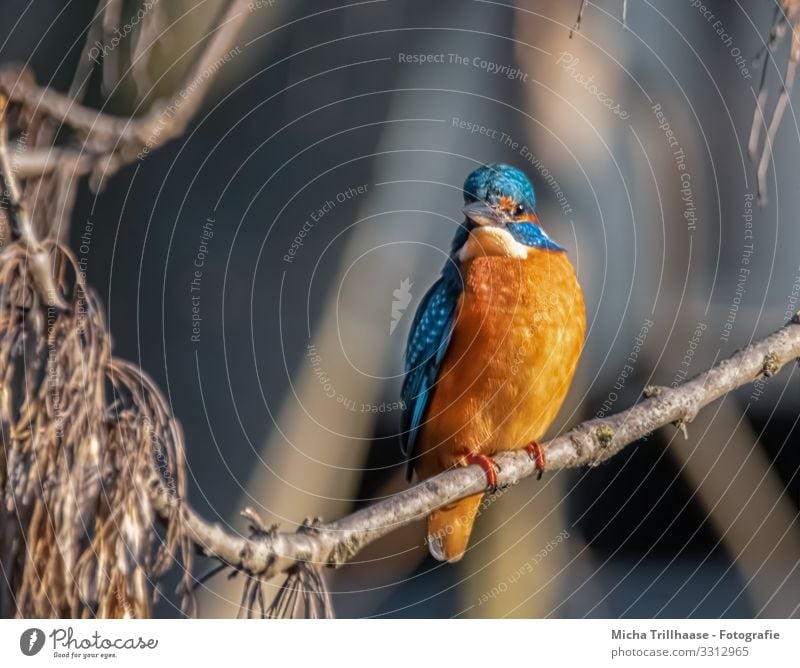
(500,210)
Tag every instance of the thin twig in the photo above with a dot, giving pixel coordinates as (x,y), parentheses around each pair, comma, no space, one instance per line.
(577,25)
(774,126)
(758,113)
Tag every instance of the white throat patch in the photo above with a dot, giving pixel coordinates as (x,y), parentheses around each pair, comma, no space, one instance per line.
(488,241)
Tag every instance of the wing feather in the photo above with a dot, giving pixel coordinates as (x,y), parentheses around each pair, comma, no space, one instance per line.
(427,345)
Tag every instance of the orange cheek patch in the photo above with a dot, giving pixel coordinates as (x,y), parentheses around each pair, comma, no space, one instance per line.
(506,203)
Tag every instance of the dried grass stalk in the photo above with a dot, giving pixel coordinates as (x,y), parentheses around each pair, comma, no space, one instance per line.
(85,438)
(303,594)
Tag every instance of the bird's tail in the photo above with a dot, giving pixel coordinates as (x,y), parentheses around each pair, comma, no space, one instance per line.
(449,528)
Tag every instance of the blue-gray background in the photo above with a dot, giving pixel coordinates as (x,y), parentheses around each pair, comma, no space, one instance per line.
(317,103)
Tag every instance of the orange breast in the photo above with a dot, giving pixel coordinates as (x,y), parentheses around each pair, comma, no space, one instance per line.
(517,339)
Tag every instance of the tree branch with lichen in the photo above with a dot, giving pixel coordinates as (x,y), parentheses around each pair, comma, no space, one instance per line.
(587,444)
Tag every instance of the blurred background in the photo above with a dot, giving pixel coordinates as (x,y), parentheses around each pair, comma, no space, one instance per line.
(264,269)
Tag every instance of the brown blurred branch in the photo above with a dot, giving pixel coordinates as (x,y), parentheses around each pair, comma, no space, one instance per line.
(109,142)
(21,226)
(588,444)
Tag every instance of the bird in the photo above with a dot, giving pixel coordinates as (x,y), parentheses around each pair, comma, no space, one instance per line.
(492,349)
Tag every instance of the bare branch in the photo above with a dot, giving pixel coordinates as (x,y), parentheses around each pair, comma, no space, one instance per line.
(103,135)
(585,445)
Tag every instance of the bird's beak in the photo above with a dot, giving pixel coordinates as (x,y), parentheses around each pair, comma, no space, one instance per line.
(481,213)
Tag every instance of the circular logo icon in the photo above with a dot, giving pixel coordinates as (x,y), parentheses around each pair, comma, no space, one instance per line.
(31,641)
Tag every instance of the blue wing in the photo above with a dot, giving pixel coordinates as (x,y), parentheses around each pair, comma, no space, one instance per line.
(427,345)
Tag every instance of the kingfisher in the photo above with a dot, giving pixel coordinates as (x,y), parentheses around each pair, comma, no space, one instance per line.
(493,346)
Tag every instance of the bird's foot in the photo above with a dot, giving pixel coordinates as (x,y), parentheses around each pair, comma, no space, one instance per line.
(489,466)
(536,453)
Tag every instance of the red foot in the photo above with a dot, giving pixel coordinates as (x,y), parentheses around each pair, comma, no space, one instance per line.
(537,454)
(488,465)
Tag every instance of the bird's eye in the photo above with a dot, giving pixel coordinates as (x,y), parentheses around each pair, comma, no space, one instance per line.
(518,211)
